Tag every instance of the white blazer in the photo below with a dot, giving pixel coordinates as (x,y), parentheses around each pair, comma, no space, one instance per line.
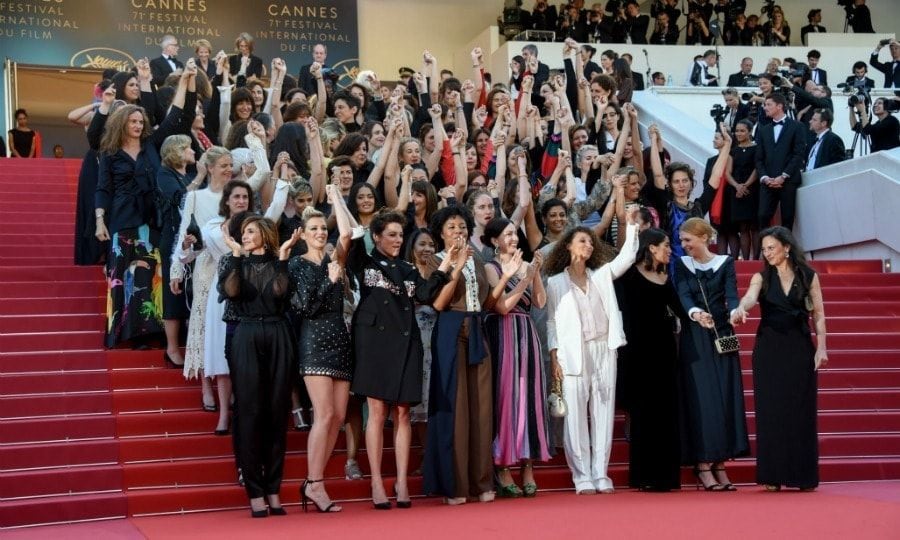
(564,322)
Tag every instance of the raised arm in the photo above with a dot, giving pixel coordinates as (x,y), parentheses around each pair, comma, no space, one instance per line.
(345,223)
(659,177)
(321,93)
(718,169)
(317,175)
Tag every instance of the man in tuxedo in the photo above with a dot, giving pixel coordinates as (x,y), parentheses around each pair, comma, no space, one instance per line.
(305,80)
(600,25)
(780,151)
(744,77)
(665,32)
(816,74)
(890,69)
(825,147)
(700,75)
(161,67)
(631,27)
(814,17)
(636,77)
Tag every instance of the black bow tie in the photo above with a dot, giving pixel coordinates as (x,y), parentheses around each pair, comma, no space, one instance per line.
(780,123)
(172,58)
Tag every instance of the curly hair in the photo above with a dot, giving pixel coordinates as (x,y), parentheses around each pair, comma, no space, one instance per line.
(677,166)
(117,127)
(441,217)
(172,150)
(559,258)
(385,217)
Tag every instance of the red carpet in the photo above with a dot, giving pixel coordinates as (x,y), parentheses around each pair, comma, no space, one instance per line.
(866,510)
(92,434)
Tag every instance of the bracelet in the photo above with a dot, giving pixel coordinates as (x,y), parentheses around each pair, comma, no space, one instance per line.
(99,213)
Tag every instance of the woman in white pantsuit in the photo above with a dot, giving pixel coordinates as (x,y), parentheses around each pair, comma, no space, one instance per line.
(584,329)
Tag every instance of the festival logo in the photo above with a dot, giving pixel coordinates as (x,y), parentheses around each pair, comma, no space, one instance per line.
(102,58)
(346,72)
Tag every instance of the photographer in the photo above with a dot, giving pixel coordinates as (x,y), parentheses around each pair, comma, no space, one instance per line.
(859,16)
(890,69)
(777,32)
(729,9)
(733,112)
(808,96)
(697,29)
(630,26)
(744,77)
(543,17)
(665,32)
(573,23)
(600,26)
(883,134)
(669,8)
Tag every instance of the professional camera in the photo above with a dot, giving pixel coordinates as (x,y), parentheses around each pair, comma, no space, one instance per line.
(769,7)
(718,113)
(857,91)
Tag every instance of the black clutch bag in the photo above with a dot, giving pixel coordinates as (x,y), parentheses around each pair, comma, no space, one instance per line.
(194,230)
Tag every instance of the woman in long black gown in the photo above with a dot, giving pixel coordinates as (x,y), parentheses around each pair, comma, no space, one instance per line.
(649,304)
(785,363)
(262,355)
(712,393)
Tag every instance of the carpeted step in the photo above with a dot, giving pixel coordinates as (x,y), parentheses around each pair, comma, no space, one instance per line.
(51,289)
(842,325)
(57,428)
(63,509)
(51,323)
(59,454)
(35,204)
(44,249)
(888,398)
(852,308)
(51,361)
(847,379)
(54,383)
(39,306)
(821,266)
(61,481)
(156,399)
(843,342)
(55,405)
(840,280)
(57,238)
(62,273)
(52,341)
(62,218)
(60,260)
(853,359)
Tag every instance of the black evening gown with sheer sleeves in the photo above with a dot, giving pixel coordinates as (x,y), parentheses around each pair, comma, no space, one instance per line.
(261,359)
(784,387)
(714,425)
(648,312)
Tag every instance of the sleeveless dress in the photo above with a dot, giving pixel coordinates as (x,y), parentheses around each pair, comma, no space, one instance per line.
(520,407)
(784,388)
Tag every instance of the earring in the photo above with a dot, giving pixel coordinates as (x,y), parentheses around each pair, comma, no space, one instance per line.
(496,251)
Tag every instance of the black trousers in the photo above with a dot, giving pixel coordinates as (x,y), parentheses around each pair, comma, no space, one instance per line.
(261,360)
(768,202)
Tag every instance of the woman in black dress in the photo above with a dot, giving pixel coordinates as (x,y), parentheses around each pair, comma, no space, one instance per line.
(172,182)
(712,393)
(324,348)
(649,306)
(386,341)
(126,213)
(785,363)
(22,138)
(742,192)
(262,354)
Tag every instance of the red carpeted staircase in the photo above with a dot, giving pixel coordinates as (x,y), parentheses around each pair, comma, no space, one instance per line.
(87,433)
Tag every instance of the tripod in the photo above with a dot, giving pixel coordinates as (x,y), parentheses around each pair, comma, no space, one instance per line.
(859,138)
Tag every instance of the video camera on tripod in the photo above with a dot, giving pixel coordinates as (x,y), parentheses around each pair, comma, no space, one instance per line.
(856,91)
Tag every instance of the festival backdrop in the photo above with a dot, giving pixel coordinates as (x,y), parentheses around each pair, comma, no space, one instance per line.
(113,33)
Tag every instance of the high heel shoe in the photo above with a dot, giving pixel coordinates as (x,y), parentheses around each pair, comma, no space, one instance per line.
(728,486)
(300,423)
(276,510)
(304,498)
(170,363)
(529,489)
(209,408)
(259,513)
(706,487)
(401,504)
(386,505)
(508,491)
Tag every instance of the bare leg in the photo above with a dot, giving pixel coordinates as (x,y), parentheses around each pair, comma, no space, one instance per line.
(375,445)
(745,241)
(322,435)
(172,327)
(223,387)
(209,399)
(402,443)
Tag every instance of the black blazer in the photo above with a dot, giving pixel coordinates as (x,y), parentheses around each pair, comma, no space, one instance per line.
(823,76)
(160,69)
(810,28)
(638,80)
(254,69)
(738,79)
(700,74)
(210,67)
(891,75)
(787,156)
(831,150)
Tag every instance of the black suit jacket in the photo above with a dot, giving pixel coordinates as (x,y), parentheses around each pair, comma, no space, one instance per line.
(669,37)
(307,82)
(638,80)
(160,69)
(861,21)
(831,150)
(870,84)
(738,79)
(700,74)
(823,76)
(785,157)
(254,69)
(891,75)
(210,67)
(810,28)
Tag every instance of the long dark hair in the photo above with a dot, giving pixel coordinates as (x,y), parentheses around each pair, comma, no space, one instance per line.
(559,257)
(351,199)
(291,138)
(494,229)
(224,211)
(650,237)
(795,255)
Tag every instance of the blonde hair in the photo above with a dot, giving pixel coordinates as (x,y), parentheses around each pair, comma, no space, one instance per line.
(698,227)
(309,213)
(202,43)
(330,130)
(213,153)
(243,36)
(172,149)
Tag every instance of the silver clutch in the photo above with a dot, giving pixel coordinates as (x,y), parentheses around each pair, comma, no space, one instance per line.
(555,401)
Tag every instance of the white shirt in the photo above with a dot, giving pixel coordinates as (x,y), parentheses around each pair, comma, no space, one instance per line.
(814,151)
